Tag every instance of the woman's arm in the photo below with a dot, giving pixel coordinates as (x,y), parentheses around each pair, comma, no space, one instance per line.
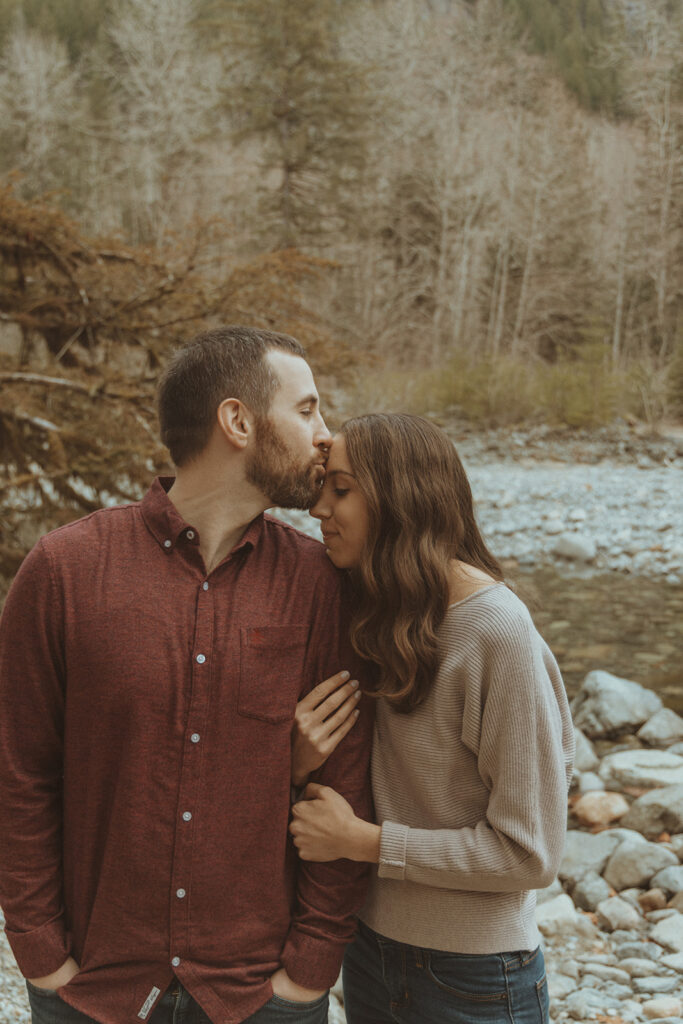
(523,744)
(322,719)
(325,828)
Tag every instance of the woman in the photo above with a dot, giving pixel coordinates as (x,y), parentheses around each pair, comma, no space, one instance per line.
(472,749)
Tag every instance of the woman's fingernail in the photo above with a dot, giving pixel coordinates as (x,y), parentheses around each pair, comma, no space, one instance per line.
(345,675)
(356,713)
(354,683)
(356,695)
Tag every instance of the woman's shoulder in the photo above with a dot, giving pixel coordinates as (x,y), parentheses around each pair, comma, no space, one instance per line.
(492,612)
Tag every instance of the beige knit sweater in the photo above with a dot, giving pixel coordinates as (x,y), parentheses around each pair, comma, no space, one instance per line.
(471,788)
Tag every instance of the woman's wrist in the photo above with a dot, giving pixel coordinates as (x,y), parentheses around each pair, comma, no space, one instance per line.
(364,840)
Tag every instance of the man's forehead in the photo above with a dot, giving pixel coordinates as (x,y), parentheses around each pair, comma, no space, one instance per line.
(294,374)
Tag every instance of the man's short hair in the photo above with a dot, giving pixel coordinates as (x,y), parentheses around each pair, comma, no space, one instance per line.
(227,362)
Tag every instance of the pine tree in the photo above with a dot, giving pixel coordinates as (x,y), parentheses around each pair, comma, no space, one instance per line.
(294,90)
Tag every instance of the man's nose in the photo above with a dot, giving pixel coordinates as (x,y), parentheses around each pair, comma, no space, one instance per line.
(323,438)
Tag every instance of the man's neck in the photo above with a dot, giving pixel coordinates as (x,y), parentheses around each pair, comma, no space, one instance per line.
(220,509)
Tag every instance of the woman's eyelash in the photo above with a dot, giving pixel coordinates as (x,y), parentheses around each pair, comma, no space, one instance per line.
(341,491)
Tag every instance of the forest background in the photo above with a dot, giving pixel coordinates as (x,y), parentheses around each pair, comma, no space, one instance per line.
(468,208)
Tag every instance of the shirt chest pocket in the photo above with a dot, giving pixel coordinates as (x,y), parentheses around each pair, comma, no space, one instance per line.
(272,663)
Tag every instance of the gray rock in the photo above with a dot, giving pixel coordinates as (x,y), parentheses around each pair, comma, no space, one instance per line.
(559,985)
(659,811)
(559,916)
(663,729)
(638,950)
(677,845)
(617,913)
(677,749)
(607,704)
(634,864)
(631,896)
(639,967)
(674,961)
(641,768)
(549,893)
(589,782)
(587,1003)
(605,972)
(654,985)
(590,890)
(585,758)
(575,546)
(669,879)
(587,852)
(669,933)
(655,916)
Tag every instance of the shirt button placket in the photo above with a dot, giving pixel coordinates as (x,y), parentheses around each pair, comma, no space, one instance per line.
(196,711)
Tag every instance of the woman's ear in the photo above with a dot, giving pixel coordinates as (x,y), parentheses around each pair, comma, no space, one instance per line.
(235,421)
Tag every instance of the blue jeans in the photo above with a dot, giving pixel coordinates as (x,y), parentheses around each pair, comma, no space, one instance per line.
(387,982)
(177,1006)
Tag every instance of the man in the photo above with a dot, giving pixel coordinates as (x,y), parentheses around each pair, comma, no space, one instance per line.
(151,657)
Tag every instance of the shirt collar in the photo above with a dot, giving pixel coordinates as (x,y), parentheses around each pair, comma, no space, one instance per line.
(167,526)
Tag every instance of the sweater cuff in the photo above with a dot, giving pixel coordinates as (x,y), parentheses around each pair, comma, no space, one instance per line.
(40,951)
(392,850)
(312,961)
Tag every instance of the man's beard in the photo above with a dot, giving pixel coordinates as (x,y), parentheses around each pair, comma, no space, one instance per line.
(274,470)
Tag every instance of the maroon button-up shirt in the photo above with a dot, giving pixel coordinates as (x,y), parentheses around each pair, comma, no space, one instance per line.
(145,722)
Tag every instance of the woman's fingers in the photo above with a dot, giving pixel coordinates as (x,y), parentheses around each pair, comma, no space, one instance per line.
(323,690)
(342,714)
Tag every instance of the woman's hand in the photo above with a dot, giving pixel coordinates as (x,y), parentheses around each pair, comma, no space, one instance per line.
(322,719)
(325,827)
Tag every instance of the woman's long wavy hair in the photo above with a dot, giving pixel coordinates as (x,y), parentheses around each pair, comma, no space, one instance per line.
(421,517)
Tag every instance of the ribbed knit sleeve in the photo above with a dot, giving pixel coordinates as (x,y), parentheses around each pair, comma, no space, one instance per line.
(513,726)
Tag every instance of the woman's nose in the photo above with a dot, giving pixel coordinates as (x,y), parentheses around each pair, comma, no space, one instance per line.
(320,510)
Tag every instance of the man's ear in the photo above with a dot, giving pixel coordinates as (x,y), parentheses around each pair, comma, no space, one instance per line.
(236,422)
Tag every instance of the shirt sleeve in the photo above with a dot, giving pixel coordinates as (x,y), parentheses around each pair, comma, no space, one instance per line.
(31,721)
(518,726)
(330,895)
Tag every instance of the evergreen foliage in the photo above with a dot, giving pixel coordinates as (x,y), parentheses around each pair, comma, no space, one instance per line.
(308,104)
(574,34)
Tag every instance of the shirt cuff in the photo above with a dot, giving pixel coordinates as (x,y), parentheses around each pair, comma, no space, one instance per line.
(312,961)
(40,951)
(392,850)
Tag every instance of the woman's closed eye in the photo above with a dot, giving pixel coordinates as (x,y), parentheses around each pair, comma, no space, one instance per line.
(339,492)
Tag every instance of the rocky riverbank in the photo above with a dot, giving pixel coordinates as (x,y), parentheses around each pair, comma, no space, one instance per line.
(613,920)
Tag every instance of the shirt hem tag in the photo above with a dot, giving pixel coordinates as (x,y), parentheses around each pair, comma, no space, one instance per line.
(149,1003)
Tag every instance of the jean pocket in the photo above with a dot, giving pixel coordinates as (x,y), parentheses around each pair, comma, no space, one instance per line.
(543,998)
(272,660)
(477,979)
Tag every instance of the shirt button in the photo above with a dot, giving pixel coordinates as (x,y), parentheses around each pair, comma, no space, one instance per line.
(190,534)
(201,658)
(180,893)
(205,585)
(175,962)
(187,816)
(168,543)
(195,737)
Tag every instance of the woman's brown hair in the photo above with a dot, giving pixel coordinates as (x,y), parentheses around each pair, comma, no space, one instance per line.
(421,516)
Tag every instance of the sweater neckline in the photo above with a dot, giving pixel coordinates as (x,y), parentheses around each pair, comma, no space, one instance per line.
(476,593)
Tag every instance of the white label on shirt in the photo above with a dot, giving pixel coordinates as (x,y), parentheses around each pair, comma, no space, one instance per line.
(149,1003)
